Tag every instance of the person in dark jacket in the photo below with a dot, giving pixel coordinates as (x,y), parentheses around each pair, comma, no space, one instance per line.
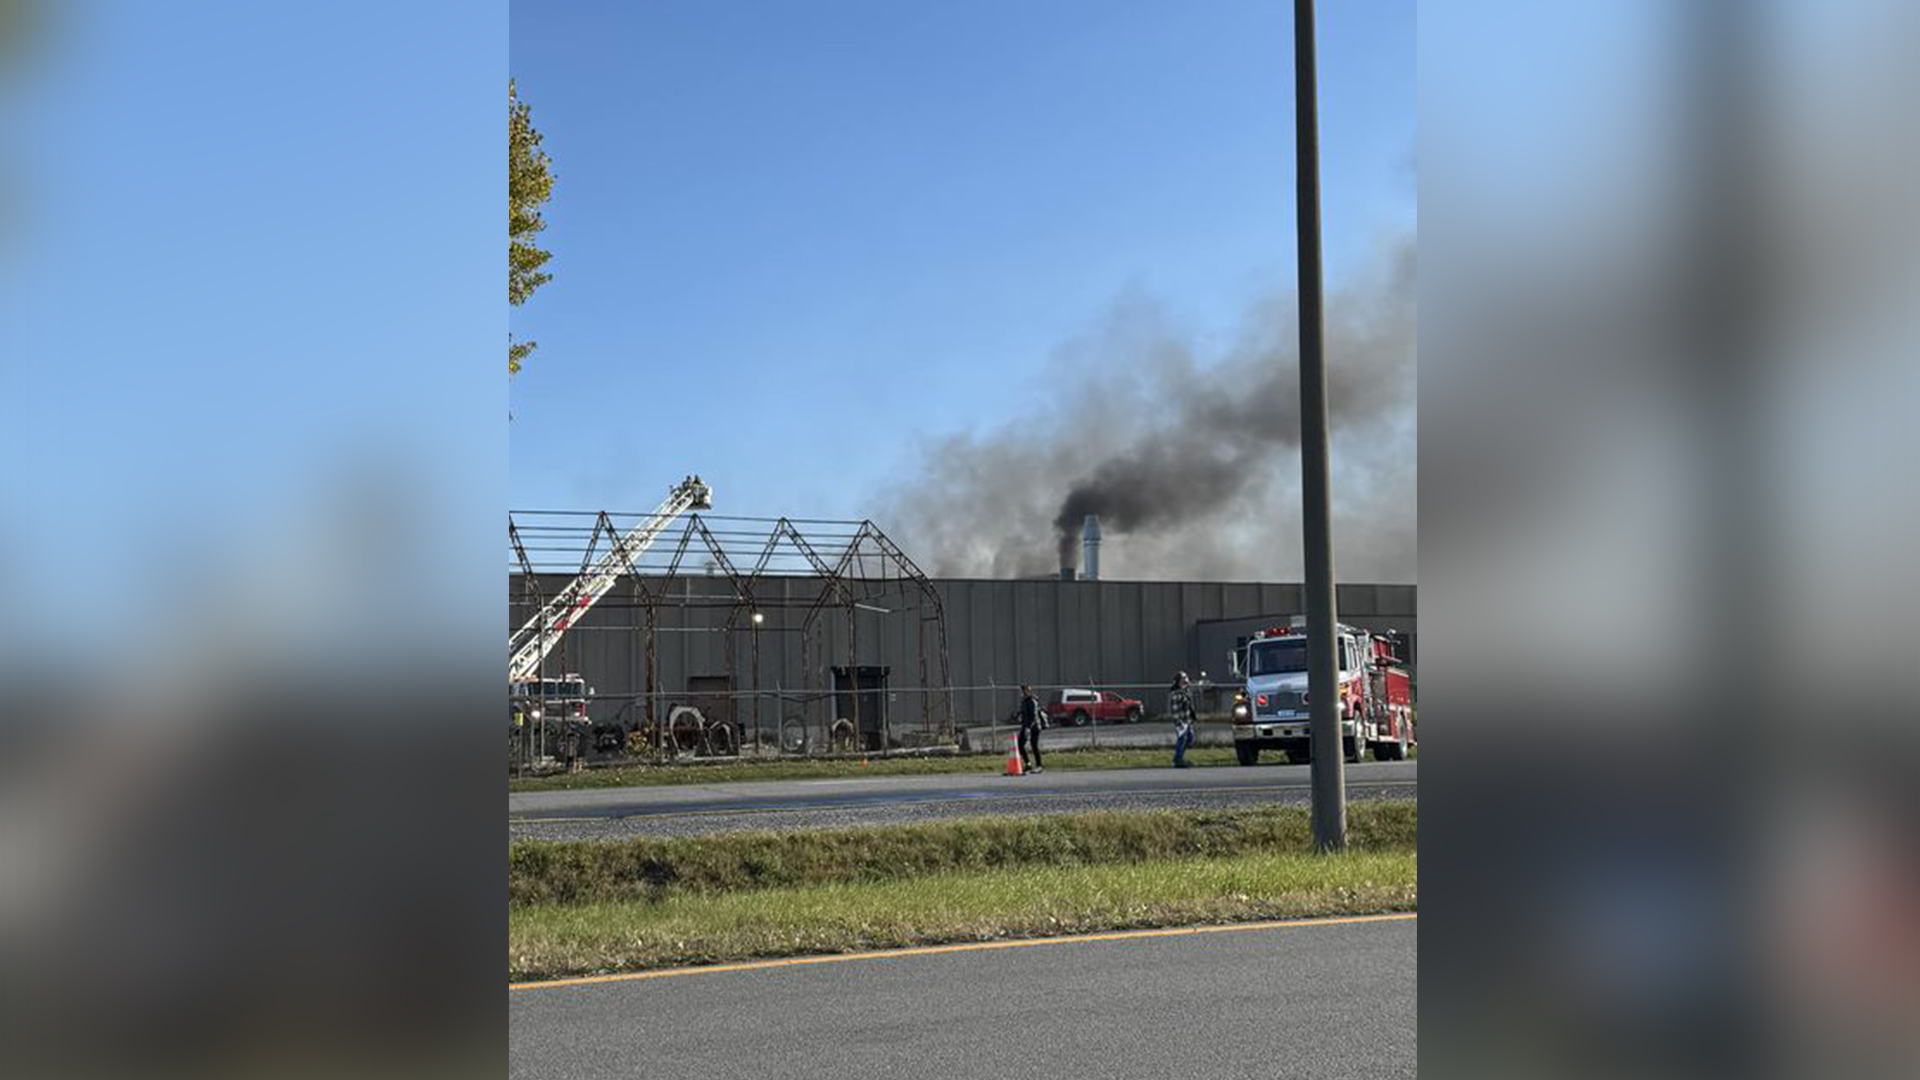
(1180,707)
(1029,730)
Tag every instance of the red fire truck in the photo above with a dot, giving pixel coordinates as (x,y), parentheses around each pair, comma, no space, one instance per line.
(1376,696)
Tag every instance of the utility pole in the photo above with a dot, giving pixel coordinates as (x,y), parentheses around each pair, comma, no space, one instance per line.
(1323,676)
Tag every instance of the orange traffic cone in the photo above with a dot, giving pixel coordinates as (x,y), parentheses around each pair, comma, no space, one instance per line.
(1013,757)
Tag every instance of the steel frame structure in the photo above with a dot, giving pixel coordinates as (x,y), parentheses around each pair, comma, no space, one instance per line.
(851,565)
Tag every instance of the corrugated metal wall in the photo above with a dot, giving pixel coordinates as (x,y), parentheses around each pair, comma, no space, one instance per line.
(1000,633)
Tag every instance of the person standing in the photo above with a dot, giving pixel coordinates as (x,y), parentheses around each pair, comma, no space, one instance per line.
(1029,730)
(1180,707)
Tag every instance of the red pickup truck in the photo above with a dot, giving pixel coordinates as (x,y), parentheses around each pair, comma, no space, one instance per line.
(1083,707)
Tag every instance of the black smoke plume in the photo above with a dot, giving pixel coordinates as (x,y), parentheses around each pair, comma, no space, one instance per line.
(1193,467)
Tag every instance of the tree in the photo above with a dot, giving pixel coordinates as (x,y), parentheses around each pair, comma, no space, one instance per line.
(529,184)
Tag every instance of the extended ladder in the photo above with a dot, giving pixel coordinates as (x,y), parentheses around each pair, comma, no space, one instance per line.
(528,647)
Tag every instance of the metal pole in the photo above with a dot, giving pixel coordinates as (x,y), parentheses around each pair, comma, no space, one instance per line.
(1329,776)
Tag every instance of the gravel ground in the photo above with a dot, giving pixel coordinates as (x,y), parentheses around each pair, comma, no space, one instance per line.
(702,823)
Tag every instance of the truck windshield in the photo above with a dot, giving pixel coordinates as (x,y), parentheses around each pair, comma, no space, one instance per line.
(551,688)
(1277,657)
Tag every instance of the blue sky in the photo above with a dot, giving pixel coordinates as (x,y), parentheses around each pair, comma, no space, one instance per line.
(249,246)
(795,242)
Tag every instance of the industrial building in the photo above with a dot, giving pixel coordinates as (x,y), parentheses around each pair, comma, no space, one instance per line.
(811,635)
(796,654)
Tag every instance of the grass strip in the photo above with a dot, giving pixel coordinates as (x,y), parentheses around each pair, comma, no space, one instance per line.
(556,940)
(657,869)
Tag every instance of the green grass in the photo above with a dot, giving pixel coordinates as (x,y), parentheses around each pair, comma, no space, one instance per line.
(731,771)
(576,908)
(552,940)
(654,869)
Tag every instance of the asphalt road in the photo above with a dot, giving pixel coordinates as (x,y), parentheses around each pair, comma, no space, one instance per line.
(611,813)
(1330,1002)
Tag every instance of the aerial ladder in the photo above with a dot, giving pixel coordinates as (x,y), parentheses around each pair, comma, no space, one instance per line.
(527,649)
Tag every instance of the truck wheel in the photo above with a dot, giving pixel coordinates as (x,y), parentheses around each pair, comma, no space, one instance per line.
(1080,718)
(1133,715)
(840,737)
(1248,754)
(793,735)
(684,726)
(1393,751)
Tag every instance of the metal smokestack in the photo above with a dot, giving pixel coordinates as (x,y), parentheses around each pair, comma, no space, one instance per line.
(1090,548)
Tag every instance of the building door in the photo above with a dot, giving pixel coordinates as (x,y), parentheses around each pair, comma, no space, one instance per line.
(712,695)
(864,687)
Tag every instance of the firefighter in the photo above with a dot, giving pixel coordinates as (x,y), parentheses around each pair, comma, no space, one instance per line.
(1180,707)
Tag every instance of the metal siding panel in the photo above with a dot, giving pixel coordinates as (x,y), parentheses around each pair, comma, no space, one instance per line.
(1093,612)
(1112,665)
(897,653)
(1072,669)
(1152,616)
(1064,603)
(1046,623)
(1357,600)
(1028,631)
(1013,663)
(1272,598)
(978,633)
(980,607)
(1398,601)
(1074,633)
(787,669)
(1129,617)
(1189,605)
(672,644)
(1239,601)
(1295,602)
(1007,661)
(1090,635)
(953,602)
(1168,640)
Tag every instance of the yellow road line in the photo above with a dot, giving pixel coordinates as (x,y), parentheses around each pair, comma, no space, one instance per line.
(970,946)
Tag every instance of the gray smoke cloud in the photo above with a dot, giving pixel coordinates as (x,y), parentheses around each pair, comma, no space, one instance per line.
(1191,461)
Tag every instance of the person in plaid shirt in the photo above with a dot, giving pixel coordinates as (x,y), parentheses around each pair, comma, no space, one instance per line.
(1180,707)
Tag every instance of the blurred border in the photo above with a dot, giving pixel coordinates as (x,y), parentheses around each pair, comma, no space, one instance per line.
(1667,590)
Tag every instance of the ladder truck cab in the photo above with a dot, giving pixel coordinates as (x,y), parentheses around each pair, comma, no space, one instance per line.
(557,701)
(1376,696)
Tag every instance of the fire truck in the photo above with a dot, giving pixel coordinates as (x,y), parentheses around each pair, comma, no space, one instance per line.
(545,710)
(1376,696)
